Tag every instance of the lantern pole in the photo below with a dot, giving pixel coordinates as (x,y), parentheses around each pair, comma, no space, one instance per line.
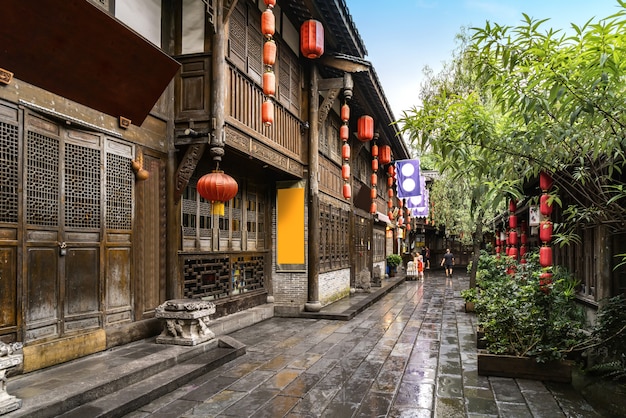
(313,304)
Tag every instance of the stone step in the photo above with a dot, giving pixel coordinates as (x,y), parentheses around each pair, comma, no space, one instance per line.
(132,397)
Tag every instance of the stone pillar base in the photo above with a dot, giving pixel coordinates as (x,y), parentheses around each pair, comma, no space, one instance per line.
(8,403)
(185,322)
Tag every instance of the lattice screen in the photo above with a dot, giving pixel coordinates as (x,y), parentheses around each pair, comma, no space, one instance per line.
(119,178)
(42,185)
(8,172)
(82,187)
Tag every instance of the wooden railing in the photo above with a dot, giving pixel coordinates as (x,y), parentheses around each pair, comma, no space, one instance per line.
(244,103)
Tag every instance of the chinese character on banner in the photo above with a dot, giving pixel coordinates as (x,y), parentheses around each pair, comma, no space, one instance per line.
(408,178)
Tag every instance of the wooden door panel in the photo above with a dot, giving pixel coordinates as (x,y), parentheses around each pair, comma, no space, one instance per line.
(81,281)
(42,292)
(8,287)
(118,296)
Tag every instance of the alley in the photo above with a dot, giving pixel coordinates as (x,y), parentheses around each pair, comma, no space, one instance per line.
(411,354)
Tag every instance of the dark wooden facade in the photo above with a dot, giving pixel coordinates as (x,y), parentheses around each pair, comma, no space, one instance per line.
(89,249)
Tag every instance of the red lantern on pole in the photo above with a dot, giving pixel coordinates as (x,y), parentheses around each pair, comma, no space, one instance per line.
(373,179)
(269,83)
(269,52)
(544,207)
(267,112)
(312,39)
(512,205)
(373,193)
(268,23)
(217,188)
(374,150)
(375,164)
(345,171)
(545,256)
(513,221)
(545,231)
(373,208)
(513,238)
(365,128)
(385,154)
(513,252)
(345,151)
(345,112)
(389,181)
(347,191)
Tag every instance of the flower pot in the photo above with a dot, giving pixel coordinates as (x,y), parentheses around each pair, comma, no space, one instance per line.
(524,368)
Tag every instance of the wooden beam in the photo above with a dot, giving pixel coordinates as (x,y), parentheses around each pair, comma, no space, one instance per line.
(343,64)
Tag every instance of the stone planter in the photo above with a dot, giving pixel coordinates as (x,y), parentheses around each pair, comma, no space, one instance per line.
(524,368)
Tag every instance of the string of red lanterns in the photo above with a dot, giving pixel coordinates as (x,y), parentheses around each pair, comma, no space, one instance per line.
(344,134)
(374,178)
(268,28)
(545,230)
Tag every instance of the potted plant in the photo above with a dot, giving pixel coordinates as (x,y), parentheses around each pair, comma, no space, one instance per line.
(393,261)
(530,325)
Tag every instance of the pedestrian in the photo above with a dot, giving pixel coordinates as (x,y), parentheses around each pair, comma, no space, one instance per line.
(426,256)
(448,261)
(420,267)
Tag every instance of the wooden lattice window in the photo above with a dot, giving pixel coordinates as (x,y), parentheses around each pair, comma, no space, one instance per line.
(245,41)
(9,154)
(119,179)
(289,78)
(82,187)
(42,185)
(334,238)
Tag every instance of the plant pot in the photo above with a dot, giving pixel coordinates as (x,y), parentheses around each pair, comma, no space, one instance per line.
(524,368)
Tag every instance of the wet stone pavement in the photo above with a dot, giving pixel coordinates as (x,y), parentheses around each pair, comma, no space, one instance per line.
(411,354)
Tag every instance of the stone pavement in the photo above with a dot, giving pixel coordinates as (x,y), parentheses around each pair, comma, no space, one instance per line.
(411,354)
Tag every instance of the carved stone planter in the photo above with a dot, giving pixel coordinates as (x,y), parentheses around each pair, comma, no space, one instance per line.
(8,359)
(524,368)
(185,321)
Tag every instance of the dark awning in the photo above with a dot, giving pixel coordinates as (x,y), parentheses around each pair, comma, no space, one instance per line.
(75,50)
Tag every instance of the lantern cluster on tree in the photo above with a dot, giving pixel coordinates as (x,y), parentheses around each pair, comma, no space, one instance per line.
(217,188)
(512,249)
(545,230)
(312,39)
(374,178)
(268,28)
(523,249)
(344,134)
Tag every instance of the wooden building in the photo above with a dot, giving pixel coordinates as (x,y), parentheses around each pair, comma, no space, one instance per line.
(110,113)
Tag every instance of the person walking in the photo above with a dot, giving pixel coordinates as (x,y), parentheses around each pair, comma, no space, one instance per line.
(426,256)
(420,267)
(448,261)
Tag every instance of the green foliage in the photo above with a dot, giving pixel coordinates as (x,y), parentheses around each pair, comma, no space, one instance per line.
(394,260)
(609,333)
(521,314)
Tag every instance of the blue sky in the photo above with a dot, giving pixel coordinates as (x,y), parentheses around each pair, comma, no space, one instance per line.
(404,36)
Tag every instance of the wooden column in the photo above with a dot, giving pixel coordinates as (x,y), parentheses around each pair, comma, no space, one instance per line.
(313,304)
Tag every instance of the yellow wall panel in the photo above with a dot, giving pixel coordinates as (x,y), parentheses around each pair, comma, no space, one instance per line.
(290,226)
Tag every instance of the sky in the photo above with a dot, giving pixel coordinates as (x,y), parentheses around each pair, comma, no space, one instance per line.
(402,37)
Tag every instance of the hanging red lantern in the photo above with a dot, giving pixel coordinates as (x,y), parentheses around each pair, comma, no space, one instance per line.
(374,150)
(270,3)
(391,170)
(408,226)
(269,83)
(512,205)
(373,193)
(345,151)
(498,250)
(400,203)
(312,39)
(365,128)
(513,237)
(385,154)
(390,192)
(545,256)
(544,207)
(345,171)
(524,238)
(217,188)
(373,179)
(345,112)
(498,242)
(269,52)
(522,251)
(545,181)
(513,221)
(390,215)
(373,208)
(374,165)
(268,23)
(545,231)
(389,204)
(347,191)
(267,112)
(389,181)
(513,252)
(344,132)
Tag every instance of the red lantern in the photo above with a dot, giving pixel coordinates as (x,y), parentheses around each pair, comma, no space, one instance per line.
(391,170)
(390,192)
(524,238)
(345,151)
(268,23)
(269,52)
(389,204)
(390,215)
(217,188)
(545,231)
(498,250)
(385,154)
(344,132)
(513,252)
(513,237)
(389,181)
(545,181)
(267,112)
(347,191)
(545,256)
(345,171)
(522,251)
(498,242)
(373,179)
(373,193)
(544,207)
(512,205)
(374,150)
(513,221)
(365,128)
(270,3)
(400,203)
(374,165)
(269,83)
(373,207)
(345,113)
(312,39)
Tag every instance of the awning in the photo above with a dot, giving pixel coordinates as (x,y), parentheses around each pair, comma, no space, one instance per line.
(382,218)
(74,49)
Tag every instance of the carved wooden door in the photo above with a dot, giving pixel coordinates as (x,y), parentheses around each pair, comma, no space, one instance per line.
(62,204)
